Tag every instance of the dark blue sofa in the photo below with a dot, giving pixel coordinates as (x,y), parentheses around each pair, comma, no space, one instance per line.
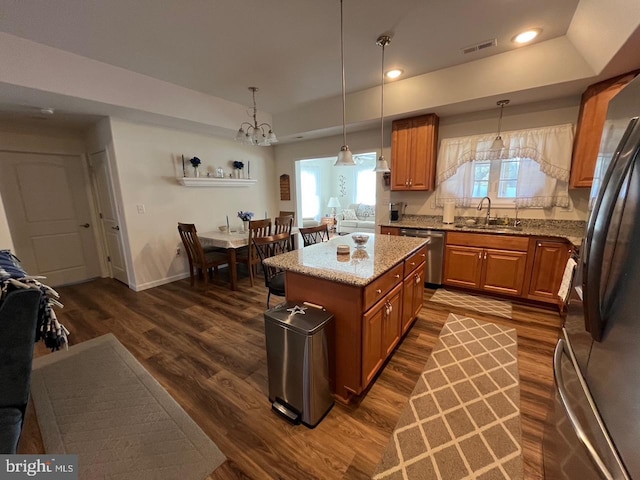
(18,323)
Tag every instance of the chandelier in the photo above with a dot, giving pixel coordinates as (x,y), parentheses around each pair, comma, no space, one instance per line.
(254,134)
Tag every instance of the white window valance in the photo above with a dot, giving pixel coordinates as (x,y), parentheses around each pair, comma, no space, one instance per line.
(545,163)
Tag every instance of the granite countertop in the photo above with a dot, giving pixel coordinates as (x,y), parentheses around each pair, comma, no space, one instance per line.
(360,267)
(571,230)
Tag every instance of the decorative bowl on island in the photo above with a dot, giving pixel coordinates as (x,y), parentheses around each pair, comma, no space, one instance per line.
(360,239)
(222,228)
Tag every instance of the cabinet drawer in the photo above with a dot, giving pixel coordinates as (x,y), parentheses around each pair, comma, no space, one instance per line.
(414,260)
(380,286)
(483,240)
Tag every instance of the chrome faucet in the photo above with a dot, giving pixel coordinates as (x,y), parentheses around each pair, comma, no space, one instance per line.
(488,209)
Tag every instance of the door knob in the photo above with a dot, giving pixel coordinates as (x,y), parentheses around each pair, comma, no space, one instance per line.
(86,225)
(116,227)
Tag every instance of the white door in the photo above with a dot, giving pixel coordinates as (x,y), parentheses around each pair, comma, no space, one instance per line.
(109,216)
(46,201)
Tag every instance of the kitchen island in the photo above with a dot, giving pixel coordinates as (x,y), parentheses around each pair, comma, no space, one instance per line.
(374,293)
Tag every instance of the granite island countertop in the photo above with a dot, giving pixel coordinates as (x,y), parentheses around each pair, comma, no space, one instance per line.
(360,267)
(573,231)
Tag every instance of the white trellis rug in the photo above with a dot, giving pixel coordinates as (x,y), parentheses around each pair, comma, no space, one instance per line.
(479,303)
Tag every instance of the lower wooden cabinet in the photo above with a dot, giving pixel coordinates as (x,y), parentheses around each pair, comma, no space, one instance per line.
(503,271)
(380,332)
(386,230)
(491,263)
(518,266)
(549,260)
(412,297)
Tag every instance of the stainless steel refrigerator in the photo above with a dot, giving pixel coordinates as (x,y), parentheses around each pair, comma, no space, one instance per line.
(593,430)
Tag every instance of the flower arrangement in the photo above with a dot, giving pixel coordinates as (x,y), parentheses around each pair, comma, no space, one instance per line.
(195,161)
(238,165)
(245,216)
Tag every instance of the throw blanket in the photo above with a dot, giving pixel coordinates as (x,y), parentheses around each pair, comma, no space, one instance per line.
(13,277)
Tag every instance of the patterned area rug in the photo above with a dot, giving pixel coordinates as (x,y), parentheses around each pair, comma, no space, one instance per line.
(463,417)
(501,308)
(95,400)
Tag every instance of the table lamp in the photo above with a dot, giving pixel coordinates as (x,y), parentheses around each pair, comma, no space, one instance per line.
(333,204)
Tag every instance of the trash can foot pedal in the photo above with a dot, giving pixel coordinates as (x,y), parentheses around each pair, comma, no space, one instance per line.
(286,412)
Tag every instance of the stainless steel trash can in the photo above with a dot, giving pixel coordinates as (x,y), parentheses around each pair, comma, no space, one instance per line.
(298,361)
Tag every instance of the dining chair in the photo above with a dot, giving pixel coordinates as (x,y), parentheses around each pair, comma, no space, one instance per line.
(312,235)
(270,246)
(284,213)
(257,228)
(282,224)
(199,260)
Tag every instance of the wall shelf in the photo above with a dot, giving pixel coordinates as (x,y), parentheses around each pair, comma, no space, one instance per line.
(215,182)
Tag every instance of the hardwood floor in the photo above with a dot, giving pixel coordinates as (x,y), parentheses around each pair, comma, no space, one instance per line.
(207,349)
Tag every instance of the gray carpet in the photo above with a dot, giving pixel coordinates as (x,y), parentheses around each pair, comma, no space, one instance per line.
(97,401)
(463,417)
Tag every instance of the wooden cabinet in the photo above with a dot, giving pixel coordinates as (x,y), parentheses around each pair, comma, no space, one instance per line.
(414,143)
(386,230)
(380,333)
(593,111)
(492,263)
(549,260)
(412,296)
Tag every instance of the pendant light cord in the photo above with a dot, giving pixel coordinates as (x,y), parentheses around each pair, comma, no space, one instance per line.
(382,102)
(344,86)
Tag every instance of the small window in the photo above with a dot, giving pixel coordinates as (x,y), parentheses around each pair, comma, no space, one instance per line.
(496,178)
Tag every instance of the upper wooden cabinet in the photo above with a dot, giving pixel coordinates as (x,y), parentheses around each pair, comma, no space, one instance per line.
(414,144)
(593,112)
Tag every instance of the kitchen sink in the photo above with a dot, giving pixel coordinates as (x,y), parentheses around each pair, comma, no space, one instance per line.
(492,228)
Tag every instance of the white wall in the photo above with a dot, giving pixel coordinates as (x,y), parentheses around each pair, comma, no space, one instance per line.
(559,111)
(148,159)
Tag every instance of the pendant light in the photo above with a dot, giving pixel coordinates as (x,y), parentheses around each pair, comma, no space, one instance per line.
(381,163)
(345,157)
(498,144)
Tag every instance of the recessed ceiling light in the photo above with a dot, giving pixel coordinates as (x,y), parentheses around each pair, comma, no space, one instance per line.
(395,73)
(527,36)
(47,111)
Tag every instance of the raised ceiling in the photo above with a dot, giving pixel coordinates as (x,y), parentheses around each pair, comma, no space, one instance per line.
(290,49)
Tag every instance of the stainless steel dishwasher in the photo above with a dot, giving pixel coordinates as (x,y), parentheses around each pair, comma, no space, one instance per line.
(435,252)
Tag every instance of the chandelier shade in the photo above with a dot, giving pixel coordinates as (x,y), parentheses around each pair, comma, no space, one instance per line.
(345,157)
(256,134)
(498,143)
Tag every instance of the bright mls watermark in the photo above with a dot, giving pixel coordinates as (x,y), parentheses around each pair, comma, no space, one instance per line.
(50,467)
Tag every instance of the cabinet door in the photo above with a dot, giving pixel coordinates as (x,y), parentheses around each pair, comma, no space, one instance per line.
(408,301)
(391,319)
(422,174)
(418,287)
(593,112)
(372,342)
(504,271)
(401,154)
(463,266)
(549,261)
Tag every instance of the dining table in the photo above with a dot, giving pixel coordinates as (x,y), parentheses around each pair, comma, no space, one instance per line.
(231,241)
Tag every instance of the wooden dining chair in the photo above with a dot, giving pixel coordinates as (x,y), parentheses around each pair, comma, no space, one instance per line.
(312,235)
(282,224)
(257,228)
(284,213)
(271,246)
(200,261)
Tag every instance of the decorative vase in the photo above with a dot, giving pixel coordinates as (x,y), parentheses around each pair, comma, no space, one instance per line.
(237,172)
(245,224)
(196,171)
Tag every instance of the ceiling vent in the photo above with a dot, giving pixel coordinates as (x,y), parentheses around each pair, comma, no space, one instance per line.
(479,46)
